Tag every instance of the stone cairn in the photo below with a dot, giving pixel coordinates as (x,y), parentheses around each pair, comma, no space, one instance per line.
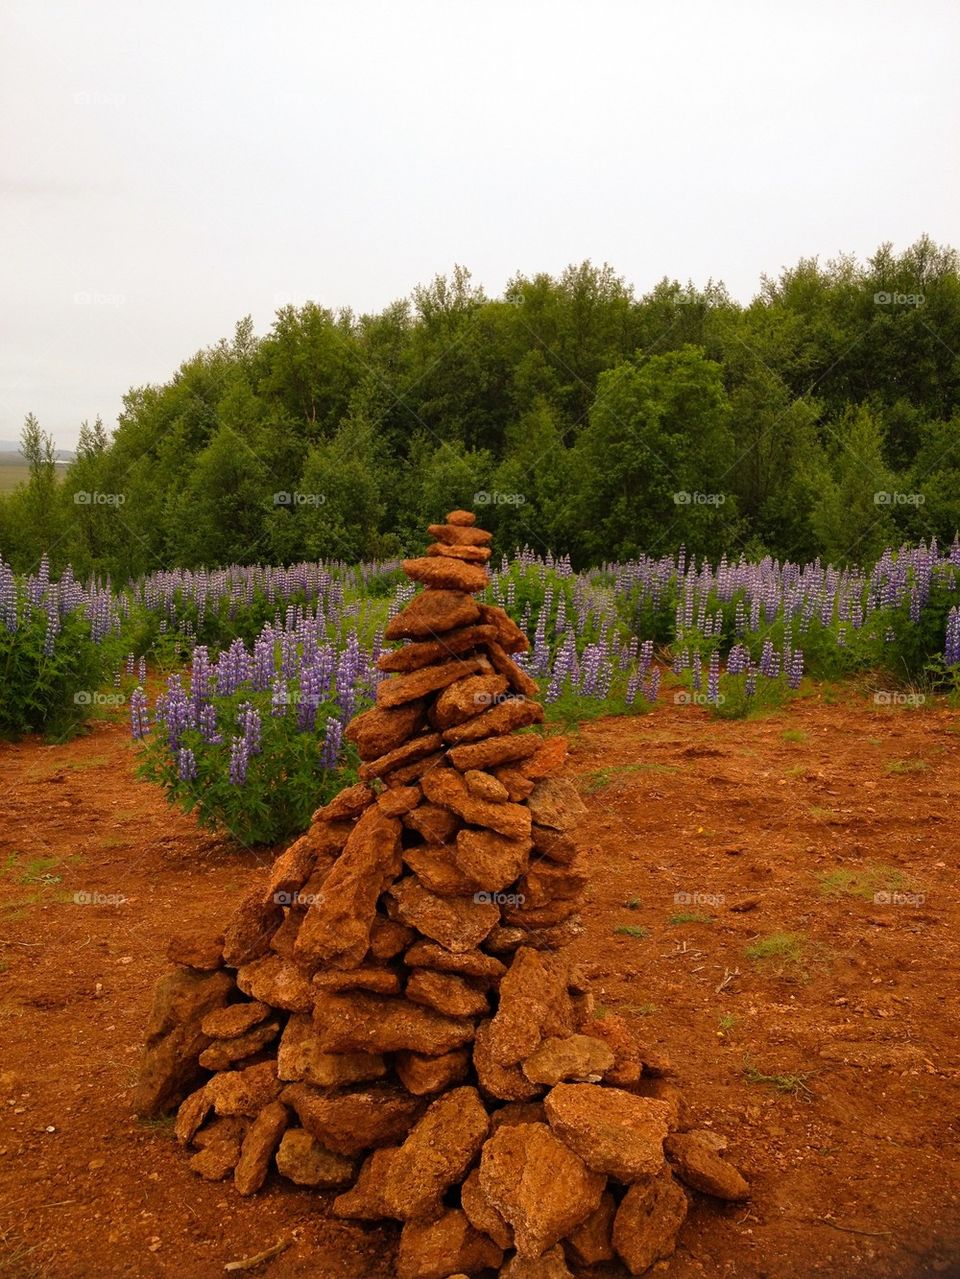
(387,1015)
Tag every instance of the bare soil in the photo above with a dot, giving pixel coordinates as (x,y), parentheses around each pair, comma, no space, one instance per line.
(829,1058)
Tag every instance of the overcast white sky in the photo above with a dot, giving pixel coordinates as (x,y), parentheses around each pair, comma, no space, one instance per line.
(167,168)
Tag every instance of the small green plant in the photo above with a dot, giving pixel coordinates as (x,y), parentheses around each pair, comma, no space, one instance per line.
(794,735)
(783,953)
(793,1084)
(639,1010)
(865,883)
(632,930)
(907,766)
(633,903)
(725,1023)
(689,917)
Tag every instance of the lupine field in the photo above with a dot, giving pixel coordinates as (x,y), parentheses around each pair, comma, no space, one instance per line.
(239,681)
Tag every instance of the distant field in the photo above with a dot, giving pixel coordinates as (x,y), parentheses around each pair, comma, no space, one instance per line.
(12,473)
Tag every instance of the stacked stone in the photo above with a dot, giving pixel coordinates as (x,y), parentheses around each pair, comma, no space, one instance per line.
(387,1015)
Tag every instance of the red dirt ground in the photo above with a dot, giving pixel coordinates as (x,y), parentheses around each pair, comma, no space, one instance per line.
(854,1159)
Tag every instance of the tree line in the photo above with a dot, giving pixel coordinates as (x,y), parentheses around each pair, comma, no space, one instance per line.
(819,419)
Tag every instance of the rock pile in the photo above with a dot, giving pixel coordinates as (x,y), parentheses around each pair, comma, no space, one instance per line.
(387,1014)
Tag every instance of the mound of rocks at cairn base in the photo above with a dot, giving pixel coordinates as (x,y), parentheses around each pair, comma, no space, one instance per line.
(387,1016)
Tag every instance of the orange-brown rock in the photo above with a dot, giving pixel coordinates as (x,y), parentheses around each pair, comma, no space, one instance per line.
(217,1160)
(228,1127)
(446,992)
(592,1241)
(434,867)
(552,1265)
(616,1034)
(301,1059)
(260,1143)
(465,699)
(554,802)
(277,982)
(360,1022)
(447,574)
(246,1091)
(553,844)
(506,717)
(395,690)
(202,951)
(613,1132)
(302,1160)
(505,1083)
(435,1155)
(347,804)
(697,1164)
(253,924)
(411,657)
(382,981)
(349,1123)
(457,535)
(516,676)
(493,751)
(422,1075)
(538,1186)
(222,1053)
(575,1058)
(472,554)
(504,940)
(337,926)
(328,838)
(290,872)
(446,786)
(549,759)
(648,1221)
(431,613)
(191,1114)
(410,752)
(509,635)
(485,786)
(518,1112)
(412,772)
(516,785)
(469,963)
(389,938)
(547,882)
(234,1019)
(433,823)
(378,731)
(458,923)
(428,1249)
(400,800)
(481,1213)
(534,1005)
(539,917)
(463,518)
(489,860)
(364,1200)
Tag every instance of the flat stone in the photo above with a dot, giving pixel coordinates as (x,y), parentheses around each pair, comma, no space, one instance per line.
(358,1022)
(259,1145)
(284,940)
(469,963)
(222,1128)
(349,803)
(364,1200)
(222,1053)
(302,1160)
(191,1114)
(537,1185)
(400,800)
(554,802)
(494,751)
(389,938)
(277,982)
(534,1005)
(695,1163)
(412,657)
(451,534)
(576,1057)
(615,1032)
(248,934)
(245,1091)
(349,1123)
(410,752)
(203,951)
(485,786)
(337,926)
(612,1131)
(472,554)
(648,1221)
(436,1154)
(290,872)
(465,519)
(504,665)
(509,635)
(505,1083)
(546,882)
(373,977)
(518,1112)
(447,993)
(377,731)
(445,786)
(465,699)
(506,717)
(447,574)
(234,1019)
(169,1065)
(532,917)
(422,1075)
(301,1059)
(490,861)
(481,1213)
(431,613)
(554,844)
(514,783)
(458,923)
(433,823)
(433,1250)
(549,759)
(438,872)
(217,1160)
(552,1265)
(592,1242)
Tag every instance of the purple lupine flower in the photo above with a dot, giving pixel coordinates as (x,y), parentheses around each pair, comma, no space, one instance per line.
(186,764)
(952,643)
(750,683)
(795,671)
(248,719)
(333,736)
(713,678)
(239,759)
(139,714)
(651,685)
(207,723)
